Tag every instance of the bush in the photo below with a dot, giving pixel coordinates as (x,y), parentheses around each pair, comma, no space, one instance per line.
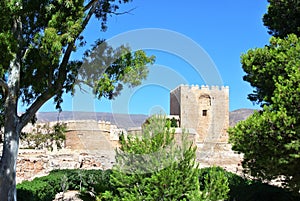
(257,191)
(154,166)
(45,188)
(214,184)
(242,189)
(35,190)
(234,181)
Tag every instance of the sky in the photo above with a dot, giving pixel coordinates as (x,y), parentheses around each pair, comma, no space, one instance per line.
(196,42)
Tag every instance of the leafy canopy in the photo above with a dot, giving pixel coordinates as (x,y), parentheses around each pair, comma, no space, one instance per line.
(267,66)
(270,139)
(37,38)
(49,32)
(283,17)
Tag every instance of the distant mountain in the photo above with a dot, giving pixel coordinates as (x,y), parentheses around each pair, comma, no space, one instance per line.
(121,120)
(239,115)
(124,120)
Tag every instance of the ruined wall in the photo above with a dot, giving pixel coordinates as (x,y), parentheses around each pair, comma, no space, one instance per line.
(206,109)
(37,163)
(89,145)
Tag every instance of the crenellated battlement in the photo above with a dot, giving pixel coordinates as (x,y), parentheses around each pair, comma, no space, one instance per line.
(193,87)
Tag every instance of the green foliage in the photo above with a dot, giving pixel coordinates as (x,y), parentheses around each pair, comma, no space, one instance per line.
(270,139)
(213,184)
(257,191)
(45,188)
(42,44)
(64,183)
(37,39)
(174,123)
(270,145)
(45,136)
(235,183)
(39,189)
(282,17)
(242,189)
(97,182)
(155,166)
(108,69)
(273,65)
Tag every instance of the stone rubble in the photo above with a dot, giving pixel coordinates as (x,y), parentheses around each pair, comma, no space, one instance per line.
(36,163)
(67,196)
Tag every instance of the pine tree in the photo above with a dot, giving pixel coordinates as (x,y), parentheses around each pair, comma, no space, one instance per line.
(155,166)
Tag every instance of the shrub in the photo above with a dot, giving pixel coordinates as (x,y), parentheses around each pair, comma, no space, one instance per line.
(257,191)
(242,189)
(35,190)
(235,182)
(45,188)
(174,123)
(214,184)
(155,167)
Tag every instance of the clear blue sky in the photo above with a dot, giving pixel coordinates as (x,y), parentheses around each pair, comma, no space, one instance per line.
(223,28)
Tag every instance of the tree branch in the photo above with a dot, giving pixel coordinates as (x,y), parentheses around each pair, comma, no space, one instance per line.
(80,82)
(31,111)
(27,116)
(122,13)
(89,15)
(64,63)
(90,4)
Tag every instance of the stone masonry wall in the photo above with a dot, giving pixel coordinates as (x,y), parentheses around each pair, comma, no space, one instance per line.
(206,109)
(37,163)
(89,145)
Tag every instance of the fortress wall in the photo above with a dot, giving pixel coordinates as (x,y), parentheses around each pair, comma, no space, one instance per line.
(175,98)
(220,118)
(189,112)
(104,125)
(203,111)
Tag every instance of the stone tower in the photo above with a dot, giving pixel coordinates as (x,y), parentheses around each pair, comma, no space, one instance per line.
(205,109)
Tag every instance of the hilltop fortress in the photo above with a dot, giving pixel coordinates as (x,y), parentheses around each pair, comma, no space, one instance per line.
(205,109)
(201,111)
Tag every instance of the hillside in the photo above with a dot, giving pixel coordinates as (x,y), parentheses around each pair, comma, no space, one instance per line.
(239,115)
(124,120)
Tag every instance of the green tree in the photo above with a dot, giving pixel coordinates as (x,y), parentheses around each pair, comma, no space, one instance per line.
(264,67)
(283,17)
(37,38)
(154,167)
(270,138)
(45,136)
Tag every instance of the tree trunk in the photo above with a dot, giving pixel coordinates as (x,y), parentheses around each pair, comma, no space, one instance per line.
(9,159)
(12,125)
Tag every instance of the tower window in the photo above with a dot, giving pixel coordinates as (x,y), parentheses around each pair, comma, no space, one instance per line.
(204,113)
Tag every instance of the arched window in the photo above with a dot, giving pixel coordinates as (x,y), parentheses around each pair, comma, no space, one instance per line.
(205,99)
